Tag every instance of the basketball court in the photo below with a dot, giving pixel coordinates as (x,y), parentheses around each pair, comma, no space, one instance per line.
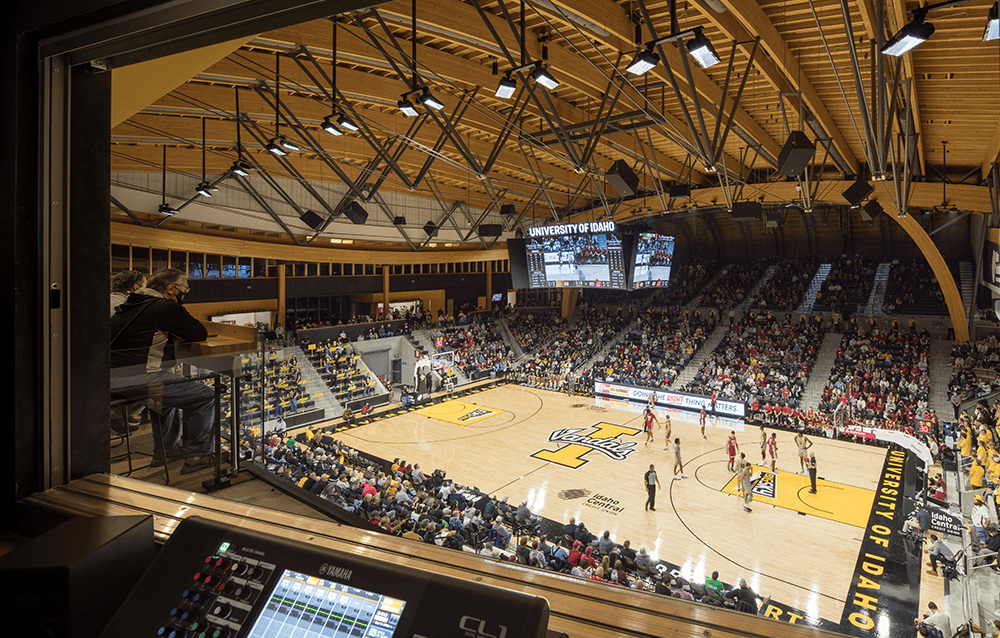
(572,459)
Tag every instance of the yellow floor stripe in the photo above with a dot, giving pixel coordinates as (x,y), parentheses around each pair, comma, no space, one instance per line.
(833,501)
(458,412)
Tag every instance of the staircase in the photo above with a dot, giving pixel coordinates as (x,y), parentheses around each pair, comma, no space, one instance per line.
(313,381)
(939,371)
(967,275)
(509,339)
(809,299)
(699,357)
(757,286)
(876,300)
(820,373)
(695,300)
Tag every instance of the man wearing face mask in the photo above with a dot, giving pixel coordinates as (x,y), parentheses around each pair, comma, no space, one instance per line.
(144,333)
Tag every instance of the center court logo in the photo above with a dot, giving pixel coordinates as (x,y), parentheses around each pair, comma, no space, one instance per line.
(577,443)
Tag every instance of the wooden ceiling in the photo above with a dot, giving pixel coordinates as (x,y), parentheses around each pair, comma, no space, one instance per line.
(798,48)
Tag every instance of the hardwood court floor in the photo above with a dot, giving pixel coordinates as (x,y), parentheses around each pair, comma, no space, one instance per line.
(804,561)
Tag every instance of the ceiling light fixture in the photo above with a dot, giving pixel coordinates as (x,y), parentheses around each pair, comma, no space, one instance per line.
(406,106)
(700,48)
(429,100)
(506,87)
(203,188)
(643,62)
(992,31)
(241,168)
(917,30)
(543,77)
(275,148)
(165,209)
(346,123)
(912,35)
(329,127)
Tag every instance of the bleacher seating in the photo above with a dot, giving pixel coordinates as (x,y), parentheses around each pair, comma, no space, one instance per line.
(762,362)
(656,350)
(913,289)
(883,375)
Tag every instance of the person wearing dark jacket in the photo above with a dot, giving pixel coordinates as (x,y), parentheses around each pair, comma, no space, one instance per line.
(144,333)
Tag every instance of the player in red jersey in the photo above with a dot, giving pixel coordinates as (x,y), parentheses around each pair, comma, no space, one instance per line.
(649,419)
(732,447)
(772,451)
(701,422)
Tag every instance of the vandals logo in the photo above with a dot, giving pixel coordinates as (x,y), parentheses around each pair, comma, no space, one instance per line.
(576,443)
(475,415)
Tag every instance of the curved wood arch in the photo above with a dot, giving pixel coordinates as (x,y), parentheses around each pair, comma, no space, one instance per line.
(952,296)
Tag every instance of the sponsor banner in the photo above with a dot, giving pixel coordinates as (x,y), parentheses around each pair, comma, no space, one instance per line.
(672,399)
(604,503)
(886,580)
(723,423)
(863,432)
(945,522)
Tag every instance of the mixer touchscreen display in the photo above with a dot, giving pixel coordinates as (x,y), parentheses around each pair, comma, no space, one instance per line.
(304,605)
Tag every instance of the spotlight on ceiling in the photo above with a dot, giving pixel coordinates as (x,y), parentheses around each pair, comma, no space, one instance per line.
(702,51)
(329,127)
(345,122)
(542,76)
(506,87)
(643,62)
(241,168)
(166,209)
(285,143)
(913,34)
(992,31)
(273,147)
(203,189)
(429,100)
(406,106)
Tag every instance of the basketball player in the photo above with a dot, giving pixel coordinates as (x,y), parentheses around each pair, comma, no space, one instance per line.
(649,418)
(763,444)
(803,443)
(701,422)
(678,464)
(772,450)
(651,402)
(743,478)
(732,447)
(666,431)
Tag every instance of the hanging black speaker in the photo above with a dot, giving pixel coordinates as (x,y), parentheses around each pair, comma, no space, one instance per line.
(431,229)
(399,220)
(356,213)
(622,179)
(311,219)
(858,191)
(795,154)
(745,211)
(490,230)
(508,210)
(871,210)
(680,190)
